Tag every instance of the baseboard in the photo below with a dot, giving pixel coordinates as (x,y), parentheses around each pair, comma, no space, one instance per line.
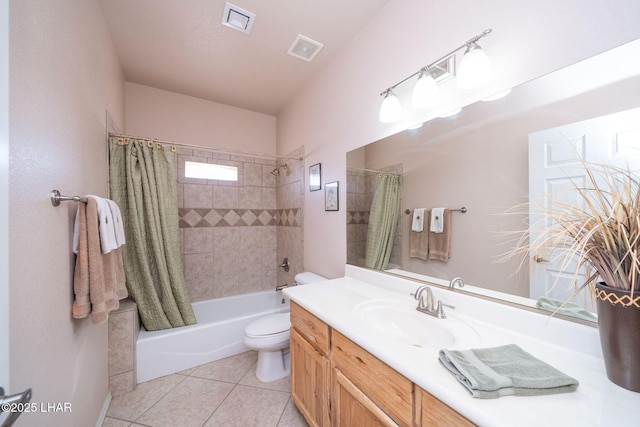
(105,408)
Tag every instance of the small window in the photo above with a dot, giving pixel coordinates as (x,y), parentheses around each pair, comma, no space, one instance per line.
(210,171)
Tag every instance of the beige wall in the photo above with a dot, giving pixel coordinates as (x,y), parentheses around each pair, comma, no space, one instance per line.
(155,113)
(4,194)
(338,110)
(63,76)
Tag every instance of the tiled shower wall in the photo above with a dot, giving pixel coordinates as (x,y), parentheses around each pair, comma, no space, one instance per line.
(230,230)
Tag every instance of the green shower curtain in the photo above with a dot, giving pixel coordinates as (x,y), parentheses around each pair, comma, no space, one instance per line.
(143,184)
(383,220)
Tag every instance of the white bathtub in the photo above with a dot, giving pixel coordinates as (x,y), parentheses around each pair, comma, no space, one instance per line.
(218,334)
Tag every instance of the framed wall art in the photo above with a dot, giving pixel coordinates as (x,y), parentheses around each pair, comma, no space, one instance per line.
(315,177)
(331,202)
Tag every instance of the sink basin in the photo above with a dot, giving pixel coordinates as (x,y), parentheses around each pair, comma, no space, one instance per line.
(400,321)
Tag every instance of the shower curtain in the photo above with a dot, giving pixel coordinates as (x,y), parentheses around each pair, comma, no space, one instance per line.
(143,184)
(383,220)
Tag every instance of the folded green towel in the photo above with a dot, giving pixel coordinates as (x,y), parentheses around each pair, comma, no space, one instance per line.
(566,308)
(503,371)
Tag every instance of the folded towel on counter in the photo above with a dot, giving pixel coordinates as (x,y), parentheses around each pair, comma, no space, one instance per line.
(439,242)
(566,308)
(506,370)
(437,220)
(417,224)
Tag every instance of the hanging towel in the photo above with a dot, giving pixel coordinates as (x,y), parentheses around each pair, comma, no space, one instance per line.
(419,240)
(418,220)
(506,370)
(437,220)
(118,225)
(106,223)
(439,242)
(99,281)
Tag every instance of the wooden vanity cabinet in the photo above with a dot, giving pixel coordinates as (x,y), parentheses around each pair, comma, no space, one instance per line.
(335,382)
(310,369)
(375,386)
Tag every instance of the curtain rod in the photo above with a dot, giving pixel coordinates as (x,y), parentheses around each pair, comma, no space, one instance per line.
(202,147)
(373,171)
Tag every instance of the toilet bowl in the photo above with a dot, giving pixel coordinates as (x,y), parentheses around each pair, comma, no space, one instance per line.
(269,335)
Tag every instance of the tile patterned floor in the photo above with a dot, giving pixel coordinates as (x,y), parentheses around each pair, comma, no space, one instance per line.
(221,393)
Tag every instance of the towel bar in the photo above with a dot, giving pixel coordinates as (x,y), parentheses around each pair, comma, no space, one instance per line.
(56,198)
(462,209)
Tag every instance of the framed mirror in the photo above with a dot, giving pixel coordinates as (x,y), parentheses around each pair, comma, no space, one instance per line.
(479,159)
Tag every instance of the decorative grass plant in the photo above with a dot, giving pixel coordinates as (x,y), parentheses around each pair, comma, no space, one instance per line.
(599,234)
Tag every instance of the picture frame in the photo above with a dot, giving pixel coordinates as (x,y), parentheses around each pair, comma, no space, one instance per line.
(331,196)
(315,177)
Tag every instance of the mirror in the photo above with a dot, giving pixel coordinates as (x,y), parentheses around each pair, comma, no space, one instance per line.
(478,159)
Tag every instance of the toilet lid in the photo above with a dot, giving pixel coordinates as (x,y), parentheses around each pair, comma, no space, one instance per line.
(269,325)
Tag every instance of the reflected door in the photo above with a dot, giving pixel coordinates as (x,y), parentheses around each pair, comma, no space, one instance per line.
(554,171)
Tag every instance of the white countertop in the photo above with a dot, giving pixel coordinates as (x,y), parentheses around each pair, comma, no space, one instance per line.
(570,347)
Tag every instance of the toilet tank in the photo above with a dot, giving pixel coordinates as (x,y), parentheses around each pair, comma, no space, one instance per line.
(308,277)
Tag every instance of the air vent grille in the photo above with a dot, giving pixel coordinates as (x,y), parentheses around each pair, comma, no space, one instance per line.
(304,48)
(237,18)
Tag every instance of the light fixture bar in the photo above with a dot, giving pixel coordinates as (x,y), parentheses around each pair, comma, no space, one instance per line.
(445,57)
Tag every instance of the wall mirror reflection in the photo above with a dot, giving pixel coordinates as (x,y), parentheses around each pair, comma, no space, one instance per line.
(480,159)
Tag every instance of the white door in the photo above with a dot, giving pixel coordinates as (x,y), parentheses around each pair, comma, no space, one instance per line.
(554,166)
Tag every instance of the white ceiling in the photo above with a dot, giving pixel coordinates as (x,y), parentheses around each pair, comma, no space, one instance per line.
(181,46)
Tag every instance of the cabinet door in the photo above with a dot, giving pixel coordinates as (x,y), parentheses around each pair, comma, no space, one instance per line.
(353,408)
(310,381)
(431,412)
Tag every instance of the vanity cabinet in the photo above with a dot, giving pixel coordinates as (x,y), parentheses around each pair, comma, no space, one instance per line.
(310,369)
(430,411)
(388,394)
(335,382)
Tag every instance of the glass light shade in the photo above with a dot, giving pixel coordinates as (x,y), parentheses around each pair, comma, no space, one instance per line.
(426,91)
(390,110)
(474,69)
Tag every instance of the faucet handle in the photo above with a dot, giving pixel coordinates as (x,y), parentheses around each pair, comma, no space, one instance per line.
(440,311)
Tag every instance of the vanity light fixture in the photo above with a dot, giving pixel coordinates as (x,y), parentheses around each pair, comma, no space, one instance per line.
(391,109)
(474,70)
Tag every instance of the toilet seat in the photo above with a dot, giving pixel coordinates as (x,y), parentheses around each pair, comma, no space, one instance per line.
(268,326)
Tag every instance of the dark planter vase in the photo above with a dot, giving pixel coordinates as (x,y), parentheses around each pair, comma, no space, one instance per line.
(619,325)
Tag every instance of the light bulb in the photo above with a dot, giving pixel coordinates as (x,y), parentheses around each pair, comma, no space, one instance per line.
(475,68)
(426,90)
(390,110)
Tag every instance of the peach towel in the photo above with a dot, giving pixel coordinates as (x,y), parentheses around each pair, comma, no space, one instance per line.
(98,279)
(439,242)
(419,240)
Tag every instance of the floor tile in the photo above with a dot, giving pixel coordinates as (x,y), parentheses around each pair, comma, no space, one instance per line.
(230,369)
(112,422)
(250,407)
(189,404)
(250,379)
(130,406)
(292,417)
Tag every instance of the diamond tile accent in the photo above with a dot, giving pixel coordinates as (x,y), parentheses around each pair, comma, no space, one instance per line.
(238,217)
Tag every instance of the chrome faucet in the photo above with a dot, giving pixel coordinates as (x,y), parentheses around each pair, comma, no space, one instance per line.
(286,285)
(456,281)
(428,307)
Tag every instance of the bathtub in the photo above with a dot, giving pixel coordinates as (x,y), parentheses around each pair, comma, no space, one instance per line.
(218,334)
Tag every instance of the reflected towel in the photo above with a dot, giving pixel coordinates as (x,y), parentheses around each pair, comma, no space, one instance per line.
(437,220)
(419,242)
(418,220)
(439,242)
(566,308)
(506,370)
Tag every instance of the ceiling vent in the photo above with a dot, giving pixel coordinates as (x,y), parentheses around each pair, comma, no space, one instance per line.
(304,48)
(237,18)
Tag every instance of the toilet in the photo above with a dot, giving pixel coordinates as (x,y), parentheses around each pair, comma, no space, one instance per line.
(269,335)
